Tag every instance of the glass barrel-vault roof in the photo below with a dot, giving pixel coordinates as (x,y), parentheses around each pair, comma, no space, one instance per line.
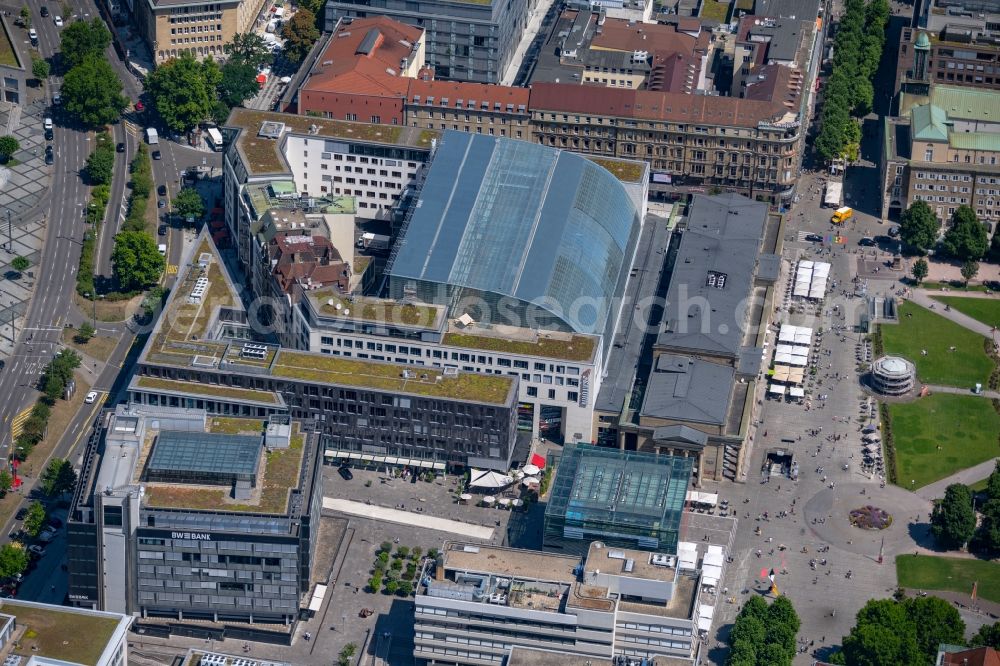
(525,221)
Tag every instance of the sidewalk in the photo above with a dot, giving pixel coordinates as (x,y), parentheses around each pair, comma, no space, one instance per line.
(967,476)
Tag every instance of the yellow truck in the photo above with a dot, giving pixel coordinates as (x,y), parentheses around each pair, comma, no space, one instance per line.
(842,215)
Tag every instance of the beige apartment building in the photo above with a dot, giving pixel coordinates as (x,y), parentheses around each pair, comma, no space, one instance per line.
(944,149)
(696,142)
(174,27)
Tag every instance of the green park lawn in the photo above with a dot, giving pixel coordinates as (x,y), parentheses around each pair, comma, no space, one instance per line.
(919,330)
(986,310)
(927,572)
(964,426)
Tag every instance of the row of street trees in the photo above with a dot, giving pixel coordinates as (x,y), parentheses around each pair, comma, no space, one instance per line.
(848,92)
(91,91)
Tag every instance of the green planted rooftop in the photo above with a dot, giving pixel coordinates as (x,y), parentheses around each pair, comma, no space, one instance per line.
(262,153)
(429,382)
(58,633)
(282,469)
(8,56)
(566,346)
(627,171)
(207,390)
(330,304)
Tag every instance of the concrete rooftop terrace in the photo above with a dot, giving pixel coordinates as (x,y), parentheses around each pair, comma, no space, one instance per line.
(262,156)
(512,562)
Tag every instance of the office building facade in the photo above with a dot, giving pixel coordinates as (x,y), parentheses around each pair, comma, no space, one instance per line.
(466,40)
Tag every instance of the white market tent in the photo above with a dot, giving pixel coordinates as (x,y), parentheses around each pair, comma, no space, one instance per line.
(687,555)
(777,389)
(696,497)
(797,392)
(484,478)
(317,598)
(713,558)
(710,574)
(705,614)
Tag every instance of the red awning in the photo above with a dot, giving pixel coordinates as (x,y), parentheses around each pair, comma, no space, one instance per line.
(537,460)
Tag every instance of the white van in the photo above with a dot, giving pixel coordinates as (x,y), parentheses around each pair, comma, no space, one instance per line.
(162,247)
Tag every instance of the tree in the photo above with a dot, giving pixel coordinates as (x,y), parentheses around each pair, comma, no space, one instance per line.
(20,264)
(239,83)
(300,34)
(58,477)
(883,634)
(935,621)
(183,90)
(391,586)
(919,269)
(92,92)
(994,254)
(953,520)
(919,227)
(970,269)
(966,237)
(40,68)
(26,16)
(764,635)
(84,333)
(248,48)
(83,39)
(988,533)
(100,165)
(35,520)
(136,263)
(405,588)
(13,560)
(993,483)
(987,636)
(188,203)
(8,146)
(6,481)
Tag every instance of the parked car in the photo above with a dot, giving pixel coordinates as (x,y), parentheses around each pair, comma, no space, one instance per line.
(49,135)
(894,231)
(161,203)
(162,190)
(161,230)
(814,238)
(120,147)
(21,514)
(345,473)
(156,155)
(47,123)
(49,158)
(36,549)
(33,36)
(58,21)
(57,98)
(867,242)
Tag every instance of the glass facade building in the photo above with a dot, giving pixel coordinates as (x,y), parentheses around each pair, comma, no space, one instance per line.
(517,233)
(622,498)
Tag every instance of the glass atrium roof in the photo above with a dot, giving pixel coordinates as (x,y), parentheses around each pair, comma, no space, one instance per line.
(522,220)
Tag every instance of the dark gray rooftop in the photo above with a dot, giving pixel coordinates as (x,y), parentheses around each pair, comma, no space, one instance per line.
(719,247)
(205,453)
(688,389)
(680,433)
(803,10)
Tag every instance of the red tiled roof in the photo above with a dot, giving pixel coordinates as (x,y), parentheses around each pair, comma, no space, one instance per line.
(621,35)
(315,260)
(652,105)
(343,68)
(673,72)
(984,656)
(467,92)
